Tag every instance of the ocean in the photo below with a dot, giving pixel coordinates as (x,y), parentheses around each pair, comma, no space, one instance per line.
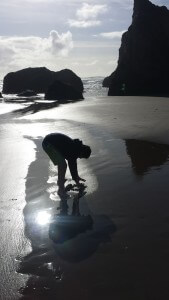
(92,87)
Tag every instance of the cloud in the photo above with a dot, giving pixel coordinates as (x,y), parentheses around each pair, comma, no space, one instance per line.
(87,15)
(112,62)
(61,43)
(111,35)
(19,52)
(125,4)
(56,44)
(84,63)
(83,23)
(89,11)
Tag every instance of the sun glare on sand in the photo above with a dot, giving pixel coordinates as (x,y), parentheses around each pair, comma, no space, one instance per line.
(43,218)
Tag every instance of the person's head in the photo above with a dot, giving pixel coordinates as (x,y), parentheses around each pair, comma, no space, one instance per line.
(85,152)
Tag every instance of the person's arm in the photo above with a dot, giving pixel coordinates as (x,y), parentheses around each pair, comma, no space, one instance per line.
(73,170)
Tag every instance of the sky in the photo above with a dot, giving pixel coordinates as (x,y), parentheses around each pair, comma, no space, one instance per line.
(83,36)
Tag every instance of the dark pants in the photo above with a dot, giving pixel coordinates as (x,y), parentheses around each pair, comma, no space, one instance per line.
(58,160)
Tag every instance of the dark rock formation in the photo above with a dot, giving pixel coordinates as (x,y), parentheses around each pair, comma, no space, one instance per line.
(107,81)
(62,91)
(38,80)
(27,93)
(143,65)
(1,95)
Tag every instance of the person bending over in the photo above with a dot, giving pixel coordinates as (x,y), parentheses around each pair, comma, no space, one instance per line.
(60,148)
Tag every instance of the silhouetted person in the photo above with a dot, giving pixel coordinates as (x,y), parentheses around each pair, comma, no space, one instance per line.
(60,148)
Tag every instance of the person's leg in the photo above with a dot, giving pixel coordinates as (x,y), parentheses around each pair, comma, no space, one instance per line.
(62,166)
(58,160)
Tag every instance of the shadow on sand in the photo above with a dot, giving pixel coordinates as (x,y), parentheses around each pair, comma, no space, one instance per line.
(66,236)
(146,155)
(38,106)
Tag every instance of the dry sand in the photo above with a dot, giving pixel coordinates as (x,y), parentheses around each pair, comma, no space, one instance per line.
(126,254)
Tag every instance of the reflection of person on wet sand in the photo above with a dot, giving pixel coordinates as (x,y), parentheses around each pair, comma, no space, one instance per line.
(65,226)
(60,148)
(77,236)
(74,237)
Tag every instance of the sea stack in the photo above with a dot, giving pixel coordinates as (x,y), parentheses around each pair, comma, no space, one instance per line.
(143,64)
(38,80)
(62,92)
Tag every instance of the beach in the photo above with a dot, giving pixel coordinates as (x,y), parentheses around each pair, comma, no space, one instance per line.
(125,253)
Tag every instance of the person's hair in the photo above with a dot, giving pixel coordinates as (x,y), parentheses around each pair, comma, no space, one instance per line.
(85,151)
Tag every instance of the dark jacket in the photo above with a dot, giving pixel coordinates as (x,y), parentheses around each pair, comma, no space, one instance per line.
(70,149)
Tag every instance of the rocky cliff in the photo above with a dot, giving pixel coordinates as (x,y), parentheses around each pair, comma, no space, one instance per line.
(143,65)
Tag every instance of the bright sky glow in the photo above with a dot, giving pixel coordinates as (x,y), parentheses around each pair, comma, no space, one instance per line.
(84,36)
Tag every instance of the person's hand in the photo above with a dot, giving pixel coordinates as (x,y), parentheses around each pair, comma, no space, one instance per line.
(78,183)
(81,179)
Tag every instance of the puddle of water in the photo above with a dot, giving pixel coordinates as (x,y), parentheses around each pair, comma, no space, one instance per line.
(145,156)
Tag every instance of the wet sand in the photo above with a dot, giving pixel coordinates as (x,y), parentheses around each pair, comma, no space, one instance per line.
(121,248)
